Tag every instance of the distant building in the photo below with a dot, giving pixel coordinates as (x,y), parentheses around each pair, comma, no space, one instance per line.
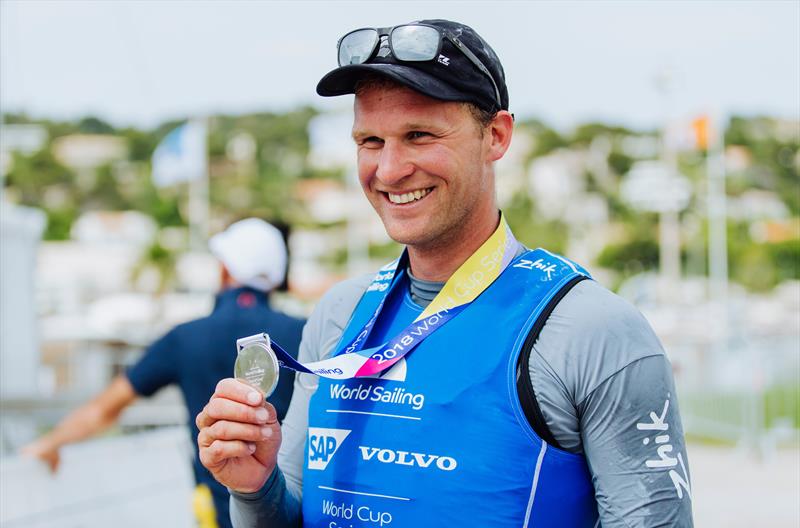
(737,158)
(93,316)
(327,201)
(26,139)
(114,227)
(554,180)
(785,130)
(330,143)
(510,170)
(640,147)
(88,151)
(755,204)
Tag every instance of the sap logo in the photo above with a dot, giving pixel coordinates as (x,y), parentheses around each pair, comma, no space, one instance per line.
(539,264)
(404,458)
(323,444)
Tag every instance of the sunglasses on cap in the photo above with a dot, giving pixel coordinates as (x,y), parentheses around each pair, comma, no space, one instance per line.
(408,43)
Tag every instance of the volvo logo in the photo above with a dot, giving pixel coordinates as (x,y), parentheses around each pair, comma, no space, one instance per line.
(406,458)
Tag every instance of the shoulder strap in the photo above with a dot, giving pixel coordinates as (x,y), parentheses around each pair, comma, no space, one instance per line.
(527,397)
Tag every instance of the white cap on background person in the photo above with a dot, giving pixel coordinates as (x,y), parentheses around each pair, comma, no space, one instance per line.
(254,253)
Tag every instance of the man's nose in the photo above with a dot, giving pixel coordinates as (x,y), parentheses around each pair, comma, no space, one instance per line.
(394,163)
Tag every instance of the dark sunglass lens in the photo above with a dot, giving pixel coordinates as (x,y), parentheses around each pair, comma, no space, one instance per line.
(415,43)
(356,47)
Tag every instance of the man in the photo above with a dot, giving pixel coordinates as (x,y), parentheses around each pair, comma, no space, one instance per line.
(195,355)
(472,382)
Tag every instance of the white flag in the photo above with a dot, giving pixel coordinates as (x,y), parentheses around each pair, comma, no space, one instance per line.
(182,155)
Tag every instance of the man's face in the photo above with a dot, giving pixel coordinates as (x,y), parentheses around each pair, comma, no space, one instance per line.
(423,166)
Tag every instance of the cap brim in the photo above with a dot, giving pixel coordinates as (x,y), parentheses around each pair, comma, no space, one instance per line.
(343,80)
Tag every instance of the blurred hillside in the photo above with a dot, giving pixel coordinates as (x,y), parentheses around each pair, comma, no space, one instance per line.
(559,189)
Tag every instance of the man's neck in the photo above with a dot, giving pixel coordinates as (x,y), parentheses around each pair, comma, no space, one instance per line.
(437,263)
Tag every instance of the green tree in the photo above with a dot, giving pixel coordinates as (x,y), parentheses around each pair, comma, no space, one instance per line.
(32,175)
(774,166)
(160,259)
(94,125)
(585,134)
(546,139)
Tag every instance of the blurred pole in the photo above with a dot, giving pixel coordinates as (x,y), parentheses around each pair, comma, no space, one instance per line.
(5,160)
(717,217)
(198,213)
(730,335)
(717,234)
(669,235)
(199,198)
(656,187)
(668,225)
(21,230)
(755,406)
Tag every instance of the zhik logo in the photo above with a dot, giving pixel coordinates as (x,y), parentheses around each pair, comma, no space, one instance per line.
(538,264)
(323,444)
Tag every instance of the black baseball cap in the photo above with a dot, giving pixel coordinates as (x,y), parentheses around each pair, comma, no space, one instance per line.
(450,77)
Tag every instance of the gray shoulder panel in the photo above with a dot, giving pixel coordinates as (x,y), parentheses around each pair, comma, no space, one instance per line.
(591,334)
(598,371)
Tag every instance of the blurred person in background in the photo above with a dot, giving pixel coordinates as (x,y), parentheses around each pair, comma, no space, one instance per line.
(197,354)
(546,400)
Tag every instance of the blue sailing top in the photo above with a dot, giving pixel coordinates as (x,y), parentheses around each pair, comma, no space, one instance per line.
(440,439)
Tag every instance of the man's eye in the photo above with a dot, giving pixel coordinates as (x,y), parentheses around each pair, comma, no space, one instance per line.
(417,134)
(372,141)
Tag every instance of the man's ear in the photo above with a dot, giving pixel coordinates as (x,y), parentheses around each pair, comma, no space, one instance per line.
(499,132)
(225,279)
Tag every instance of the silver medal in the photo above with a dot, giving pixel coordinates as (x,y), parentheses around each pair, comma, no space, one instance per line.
(256,363)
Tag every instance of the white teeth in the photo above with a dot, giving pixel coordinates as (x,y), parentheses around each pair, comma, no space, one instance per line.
(408,197)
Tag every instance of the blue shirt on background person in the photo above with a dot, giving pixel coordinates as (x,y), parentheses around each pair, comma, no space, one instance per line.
(197,354)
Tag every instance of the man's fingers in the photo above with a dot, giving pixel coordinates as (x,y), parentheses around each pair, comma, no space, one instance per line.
(224,430)
(233,389)
(232,411)
(203,419)
(49,456)
(233,420)
(221,450)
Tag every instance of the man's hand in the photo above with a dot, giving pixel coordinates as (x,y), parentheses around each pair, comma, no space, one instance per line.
(91,418)
(239,436)
(44,451)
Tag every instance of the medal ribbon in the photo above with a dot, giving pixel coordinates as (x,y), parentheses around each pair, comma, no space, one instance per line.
(471,279)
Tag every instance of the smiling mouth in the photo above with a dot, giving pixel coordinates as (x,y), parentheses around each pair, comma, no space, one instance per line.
(408,197)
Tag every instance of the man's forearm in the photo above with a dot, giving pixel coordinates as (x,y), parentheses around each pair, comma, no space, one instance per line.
(93,417)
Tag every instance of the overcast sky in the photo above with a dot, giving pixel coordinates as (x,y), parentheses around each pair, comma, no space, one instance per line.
(144,62)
